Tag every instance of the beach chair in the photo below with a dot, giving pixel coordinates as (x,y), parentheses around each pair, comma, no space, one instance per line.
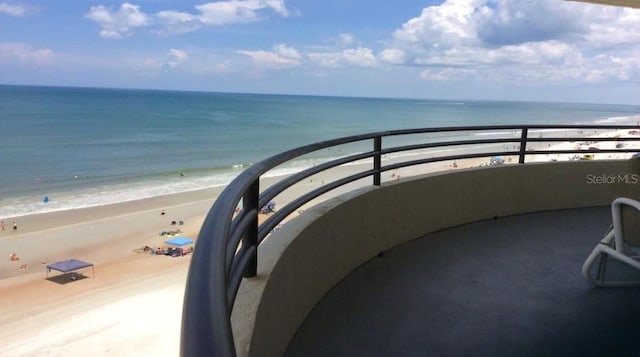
(618,253)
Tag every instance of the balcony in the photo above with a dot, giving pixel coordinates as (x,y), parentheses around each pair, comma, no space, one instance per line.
(505,287)
(483,259)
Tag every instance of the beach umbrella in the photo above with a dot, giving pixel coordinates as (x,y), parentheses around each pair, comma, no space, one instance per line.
(179,241)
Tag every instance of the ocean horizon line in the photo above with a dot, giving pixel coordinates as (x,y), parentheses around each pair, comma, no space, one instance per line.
(453,100)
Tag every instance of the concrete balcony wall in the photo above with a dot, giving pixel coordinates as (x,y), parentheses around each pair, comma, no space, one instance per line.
(303,260)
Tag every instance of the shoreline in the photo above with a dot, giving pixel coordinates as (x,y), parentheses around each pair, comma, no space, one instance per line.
(72,197)
(101,233)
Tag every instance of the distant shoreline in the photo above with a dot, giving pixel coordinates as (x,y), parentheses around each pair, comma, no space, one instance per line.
(125,193)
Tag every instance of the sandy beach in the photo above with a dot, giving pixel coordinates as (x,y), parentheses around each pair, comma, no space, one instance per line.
(133,304)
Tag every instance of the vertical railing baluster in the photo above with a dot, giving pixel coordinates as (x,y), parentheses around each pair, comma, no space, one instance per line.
(377,159)
(250,238)
(523,145)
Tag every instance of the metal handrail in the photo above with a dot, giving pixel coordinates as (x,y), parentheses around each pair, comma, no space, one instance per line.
(227,245)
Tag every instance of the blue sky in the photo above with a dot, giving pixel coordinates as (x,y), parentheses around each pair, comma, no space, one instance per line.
(548,50)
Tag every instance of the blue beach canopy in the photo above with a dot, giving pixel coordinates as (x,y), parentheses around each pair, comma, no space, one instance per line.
(68,265)
(179,241)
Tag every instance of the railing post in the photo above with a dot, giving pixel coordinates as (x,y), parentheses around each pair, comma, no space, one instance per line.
(523,145)
(250,238)
(377,160)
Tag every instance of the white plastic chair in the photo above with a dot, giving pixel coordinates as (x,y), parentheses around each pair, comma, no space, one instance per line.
(614,245)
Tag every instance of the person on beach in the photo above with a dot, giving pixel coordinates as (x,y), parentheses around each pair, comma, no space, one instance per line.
(2,225)
(15,226)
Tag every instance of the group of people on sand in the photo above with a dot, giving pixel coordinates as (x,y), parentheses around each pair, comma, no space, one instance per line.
(175,252)
(3,226)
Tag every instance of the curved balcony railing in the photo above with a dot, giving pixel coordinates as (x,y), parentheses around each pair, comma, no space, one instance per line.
(228,241)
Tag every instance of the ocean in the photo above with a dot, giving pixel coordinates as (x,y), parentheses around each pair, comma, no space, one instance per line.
(65,148)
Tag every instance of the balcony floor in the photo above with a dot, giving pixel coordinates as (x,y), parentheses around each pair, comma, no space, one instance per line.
(505,287)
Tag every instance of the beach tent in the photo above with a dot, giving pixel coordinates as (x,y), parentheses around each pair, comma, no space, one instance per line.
(69,265)
(179,241)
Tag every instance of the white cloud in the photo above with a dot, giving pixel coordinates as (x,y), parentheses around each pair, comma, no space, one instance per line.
(229,12)
(278,6)
(450,24)
(619,28)
(174,58)
(118,23)
(194,62)
(268,58)
(447,74)
(551,52)
(325,59)
(536,39)
(596,70)
(281,55)
(392,55)
(284,55)
(220,13)
(507,22)
(285,51)
(346,39)
(178,22)
(360,57)
(13,10)
(25,54)
(225,66)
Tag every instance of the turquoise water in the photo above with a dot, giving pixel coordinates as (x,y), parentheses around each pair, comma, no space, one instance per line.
(84,146)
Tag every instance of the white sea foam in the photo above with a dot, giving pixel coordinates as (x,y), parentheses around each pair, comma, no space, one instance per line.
(536,131)
(104,195)
(631,120)
(493,133)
